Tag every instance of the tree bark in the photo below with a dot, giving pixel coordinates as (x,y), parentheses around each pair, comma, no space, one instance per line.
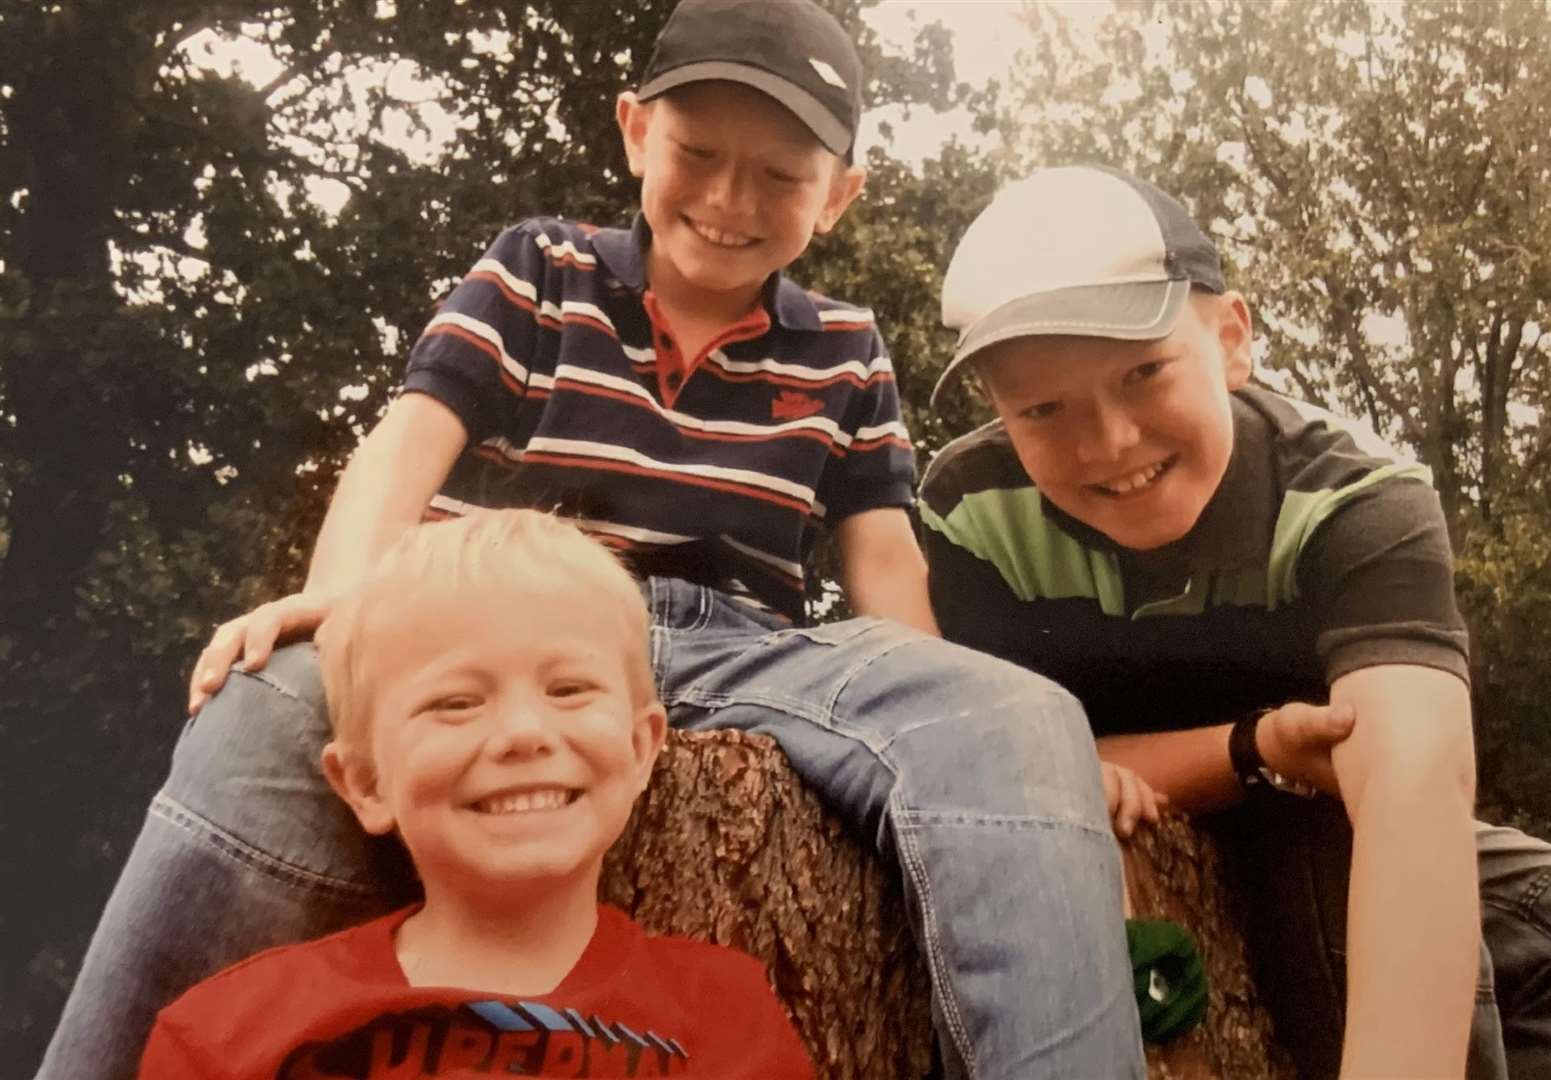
(727,845)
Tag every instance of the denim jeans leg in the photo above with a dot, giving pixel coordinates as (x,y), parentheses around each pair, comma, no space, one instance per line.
(980,779)
(1516,920)
(245,847)
(1291,859)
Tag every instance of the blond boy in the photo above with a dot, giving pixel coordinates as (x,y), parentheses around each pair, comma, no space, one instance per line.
(493,708)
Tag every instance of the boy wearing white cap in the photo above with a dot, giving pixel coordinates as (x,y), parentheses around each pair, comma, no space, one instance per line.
(1196,559)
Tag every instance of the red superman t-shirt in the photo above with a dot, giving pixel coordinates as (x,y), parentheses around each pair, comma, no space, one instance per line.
(340,1007)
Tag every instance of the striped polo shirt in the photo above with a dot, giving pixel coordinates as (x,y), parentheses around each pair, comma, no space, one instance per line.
(719,471)
(1320,553)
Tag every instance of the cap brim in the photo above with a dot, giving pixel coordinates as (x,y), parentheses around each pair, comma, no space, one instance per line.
(807,108)
(1128,311)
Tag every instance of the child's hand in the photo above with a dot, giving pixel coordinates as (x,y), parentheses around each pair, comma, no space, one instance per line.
(253,637)
(1130,799)
(1296,741)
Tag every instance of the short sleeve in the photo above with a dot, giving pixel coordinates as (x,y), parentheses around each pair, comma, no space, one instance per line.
(1379,576)
(878,467)
(166,1057)
(473,355)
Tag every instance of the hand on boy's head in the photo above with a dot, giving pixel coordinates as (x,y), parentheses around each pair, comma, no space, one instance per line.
(1296,740)
(1130,799)
(253,637)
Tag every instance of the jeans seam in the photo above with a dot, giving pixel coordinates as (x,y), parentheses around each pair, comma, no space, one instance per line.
(662,606)
(264,677)
(244,854)
(953,1017)
(793,707)
(1006,821)
(1525,902)
(822,714)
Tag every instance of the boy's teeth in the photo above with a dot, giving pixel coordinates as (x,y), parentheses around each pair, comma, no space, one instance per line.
(1140,478)
(523,801)
(717,236)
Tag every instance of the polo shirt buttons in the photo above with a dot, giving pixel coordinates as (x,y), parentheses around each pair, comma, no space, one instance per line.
(674,380)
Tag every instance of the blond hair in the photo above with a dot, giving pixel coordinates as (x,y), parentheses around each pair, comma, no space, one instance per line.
(482,552)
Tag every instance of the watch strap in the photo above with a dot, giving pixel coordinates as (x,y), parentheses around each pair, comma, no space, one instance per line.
(1251,769)
(1244,754)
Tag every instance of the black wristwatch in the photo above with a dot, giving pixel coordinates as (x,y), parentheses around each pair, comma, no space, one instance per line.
(1251,769)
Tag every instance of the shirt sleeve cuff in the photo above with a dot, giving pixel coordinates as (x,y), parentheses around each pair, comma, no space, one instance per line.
(452,392)
(1357,655)
(871,496)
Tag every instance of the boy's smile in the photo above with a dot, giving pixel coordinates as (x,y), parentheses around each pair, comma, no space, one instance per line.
(734,187)
(1128,437)
(508,739)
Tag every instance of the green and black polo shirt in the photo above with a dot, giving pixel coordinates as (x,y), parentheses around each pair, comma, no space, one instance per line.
(1322,552)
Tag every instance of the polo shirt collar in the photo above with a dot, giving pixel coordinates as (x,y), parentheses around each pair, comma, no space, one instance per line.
(1236,528)
(624,254)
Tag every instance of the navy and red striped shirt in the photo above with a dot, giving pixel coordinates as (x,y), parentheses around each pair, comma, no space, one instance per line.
(720,471)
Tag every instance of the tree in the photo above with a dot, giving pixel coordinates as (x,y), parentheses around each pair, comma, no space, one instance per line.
(190,343)
(1379,180)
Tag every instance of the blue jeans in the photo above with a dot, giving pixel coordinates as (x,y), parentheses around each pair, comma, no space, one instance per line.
(977,779)
(1292,858)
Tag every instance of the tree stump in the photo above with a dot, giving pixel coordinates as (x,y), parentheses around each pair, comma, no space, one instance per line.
(727,845)
(1174,871)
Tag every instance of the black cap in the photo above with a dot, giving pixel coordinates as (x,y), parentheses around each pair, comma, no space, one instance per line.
(792,50)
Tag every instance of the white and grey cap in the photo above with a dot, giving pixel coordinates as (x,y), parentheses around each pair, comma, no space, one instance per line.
(792,50)
(1081,250)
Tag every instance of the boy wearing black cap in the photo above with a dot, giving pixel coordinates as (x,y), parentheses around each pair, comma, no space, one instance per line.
(673,392)
(1180,548)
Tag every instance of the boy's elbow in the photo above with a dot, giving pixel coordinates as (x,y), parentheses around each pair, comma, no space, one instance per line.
(1427,771)
(1412,744)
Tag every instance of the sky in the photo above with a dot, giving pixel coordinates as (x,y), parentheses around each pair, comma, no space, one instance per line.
(986,33)
(986,39)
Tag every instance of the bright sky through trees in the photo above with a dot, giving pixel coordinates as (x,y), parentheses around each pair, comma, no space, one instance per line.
(987,35)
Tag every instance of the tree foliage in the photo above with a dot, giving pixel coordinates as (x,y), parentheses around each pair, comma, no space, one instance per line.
(1379,179)
(209,281)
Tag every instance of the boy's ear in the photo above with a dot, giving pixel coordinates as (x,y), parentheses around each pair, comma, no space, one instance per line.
(1235,333)
(632,115)
(647,734)
(844,187)
(354,779)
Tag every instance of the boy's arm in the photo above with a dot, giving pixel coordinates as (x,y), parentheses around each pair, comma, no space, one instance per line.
(882,569)
(1405,771)
(1193,770)
(1407,776)
(383,490)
